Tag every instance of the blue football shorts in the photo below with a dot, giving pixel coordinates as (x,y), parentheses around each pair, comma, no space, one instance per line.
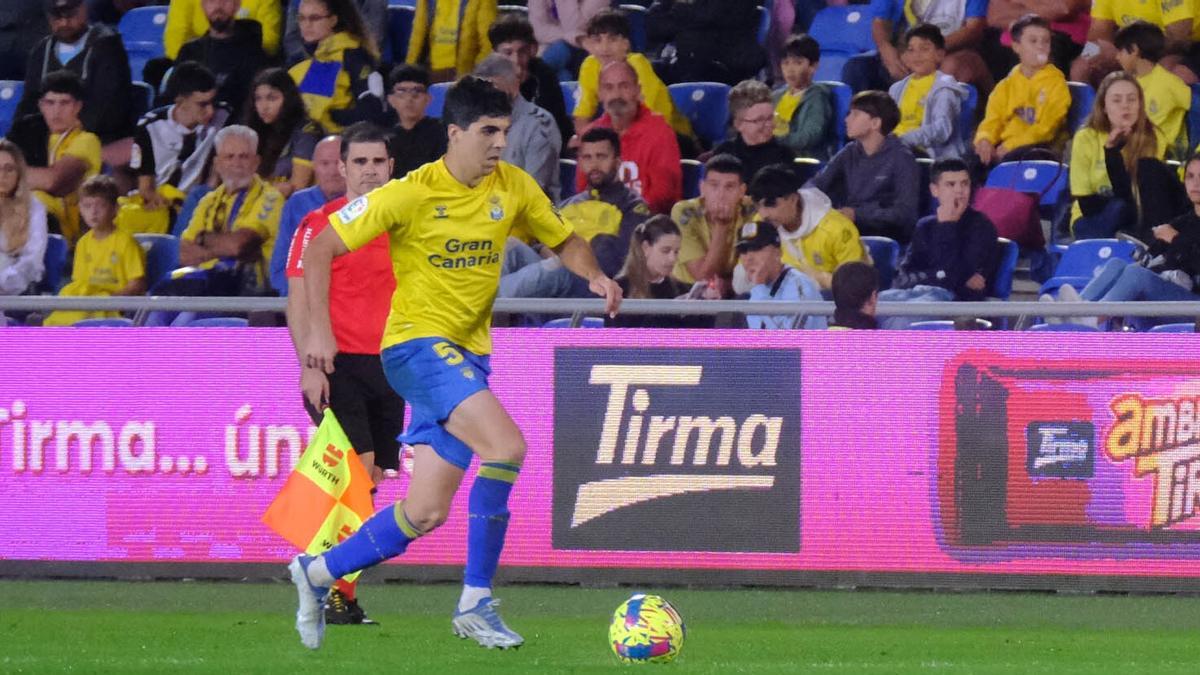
(435,375)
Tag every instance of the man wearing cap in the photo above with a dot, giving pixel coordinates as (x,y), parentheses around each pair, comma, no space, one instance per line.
(94,53)
(759,253)
(814,237)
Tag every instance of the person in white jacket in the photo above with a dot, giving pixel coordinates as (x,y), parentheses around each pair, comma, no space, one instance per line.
(23,230)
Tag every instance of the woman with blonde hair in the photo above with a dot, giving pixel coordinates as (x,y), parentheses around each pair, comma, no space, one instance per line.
(1118,179)
(23,230)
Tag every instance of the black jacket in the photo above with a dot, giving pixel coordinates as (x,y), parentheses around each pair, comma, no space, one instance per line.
(103,65)
(234,60)
(949,254)
(1183,253)
(714,40)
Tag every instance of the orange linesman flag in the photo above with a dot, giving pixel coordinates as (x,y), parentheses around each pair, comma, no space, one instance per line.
(328,495)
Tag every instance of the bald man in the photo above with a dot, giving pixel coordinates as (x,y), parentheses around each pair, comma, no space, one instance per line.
(330,184)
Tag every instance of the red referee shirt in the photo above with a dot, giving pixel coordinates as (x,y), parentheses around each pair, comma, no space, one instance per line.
(360,286)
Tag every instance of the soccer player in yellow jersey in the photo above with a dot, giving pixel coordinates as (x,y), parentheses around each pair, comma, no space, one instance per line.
(446,223)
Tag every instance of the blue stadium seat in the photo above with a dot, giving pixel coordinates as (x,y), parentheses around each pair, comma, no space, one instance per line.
(764,25)
(162,256)
(218,322)
(400,23)
(55,260)
(1063,328)
(1193,117)
(1046,178)
(966,115)
(1083,259)
(1187,327)
(1006,267)
(565,322)
(706,105)
(566,176)
(693,172)
(437,99)
(637,26)
(570,93)
(142,33)
(402,3)
(841,107)
(843,30)
(947,324)
(1083,97)
(110,322)
(885,251)
(11,92)
(830,67)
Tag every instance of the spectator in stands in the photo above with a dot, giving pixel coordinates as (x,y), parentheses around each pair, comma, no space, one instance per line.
(930,101)
(22,225)
(961,23)
(607,210)
(172,145)
(97,55)
(450,36)
(1140,46)
(804,110)
(534,141)
(1100,56)
(512,37)
(753,115)
(72,154)
(22,25)
(231,48)
(416,138)
(710,224)
(607,42)
(232,233)
(815,237)
(1069,22)
(646,275)
(108,260)
(952,255)
(187,20)
(560,26)
(1029,107)
(339,81)
(1116,178)
(329,185)
(874,180)
(375,18)
(714,40)
(649,150)
(286,137)
(855,297)
(760,254)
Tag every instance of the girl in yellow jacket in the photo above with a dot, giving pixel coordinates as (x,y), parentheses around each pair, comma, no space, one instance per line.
(339,82)
(451,36)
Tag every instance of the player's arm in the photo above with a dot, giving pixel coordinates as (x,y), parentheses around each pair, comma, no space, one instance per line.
(297,315)
(320,346)
(576,255)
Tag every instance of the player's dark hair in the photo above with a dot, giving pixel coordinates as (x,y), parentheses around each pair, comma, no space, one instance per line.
(602,135)
(364,132)
(471,98)
(926,31)
(190,77)
(802,46)
(1026,21)
(1148,38)
(950,165)
(408,72)
(609,22)
(100,186)
(878,104)
(647,232)
(773,182)
(727,164)
(63,82)
(511,27)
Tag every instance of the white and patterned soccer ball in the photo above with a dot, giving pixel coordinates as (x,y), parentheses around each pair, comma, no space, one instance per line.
(646,629)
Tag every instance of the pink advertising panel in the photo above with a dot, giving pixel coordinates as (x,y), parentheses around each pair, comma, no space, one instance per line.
(874,452)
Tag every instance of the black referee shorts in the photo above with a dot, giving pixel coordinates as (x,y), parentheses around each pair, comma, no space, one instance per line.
(370,411)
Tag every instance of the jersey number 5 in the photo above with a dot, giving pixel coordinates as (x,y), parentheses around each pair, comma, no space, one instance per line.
(448,353)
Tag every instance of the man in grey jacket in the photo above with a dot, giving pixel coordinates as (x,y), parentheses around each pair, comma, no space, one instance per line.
(534,141)
(930,117)
(874,180)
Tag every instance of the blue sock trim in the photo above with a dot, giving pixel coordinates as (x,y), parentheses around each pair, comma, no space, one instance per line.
(379,539)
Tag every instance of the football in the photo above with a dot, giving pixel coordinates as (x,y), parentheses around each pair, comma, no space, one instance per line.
(646,629)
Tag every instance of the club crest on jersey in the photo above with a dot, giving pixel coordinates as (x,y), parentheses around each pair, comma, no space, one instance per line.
(439,212)
(353,210)
(497,212)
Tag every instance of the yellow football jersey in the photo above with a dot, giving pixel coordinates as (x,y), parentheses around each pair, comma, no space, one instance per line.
(447,245)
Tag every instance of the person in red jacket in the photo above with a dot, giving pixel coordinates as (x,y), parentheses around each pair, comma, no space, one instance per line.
(649,150)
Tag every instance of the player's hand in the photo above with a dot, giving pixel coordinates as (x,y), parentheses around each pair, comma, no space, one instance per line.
(315,386)
(320,351)
(609,290)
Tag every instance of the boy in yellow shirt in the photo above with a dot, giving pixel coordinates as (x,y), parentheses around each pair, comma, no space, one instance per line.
(72,154)
(1029,107)
(108,261)
(607,41)
(1140,46)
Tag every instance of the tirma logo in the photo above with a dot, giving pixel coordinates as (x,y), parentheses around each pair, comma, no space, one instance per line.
(677,449)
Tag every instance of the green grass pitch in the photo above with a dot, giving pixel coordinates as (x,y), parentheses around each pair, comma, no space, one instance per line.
(232,628)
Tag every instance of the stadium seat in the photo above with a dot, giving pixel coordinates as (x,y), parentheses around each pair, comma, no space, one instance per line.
(844,30)
(966,115)
(706,105)
(565,322)
(519,9)
(402,3)
(56,263)
(570,94)
(829,68)
(693,172)
(110,322)
(1063,328)
(1083,259)
(437,99)
(1186,327)
(885,252)
(566,176)
(1193,117)
(1006,267)
(764,25)
(10,95)
(841,107)
(143,98)
(400,23)
(637,26)
(1042,177)
(807,167)
(162,256)
(1083,97)
(218,322)
(949,324)
(142,33)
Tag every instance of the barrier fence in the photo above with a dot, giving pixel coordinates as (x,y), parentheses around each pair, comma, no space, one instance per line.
(709,457)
